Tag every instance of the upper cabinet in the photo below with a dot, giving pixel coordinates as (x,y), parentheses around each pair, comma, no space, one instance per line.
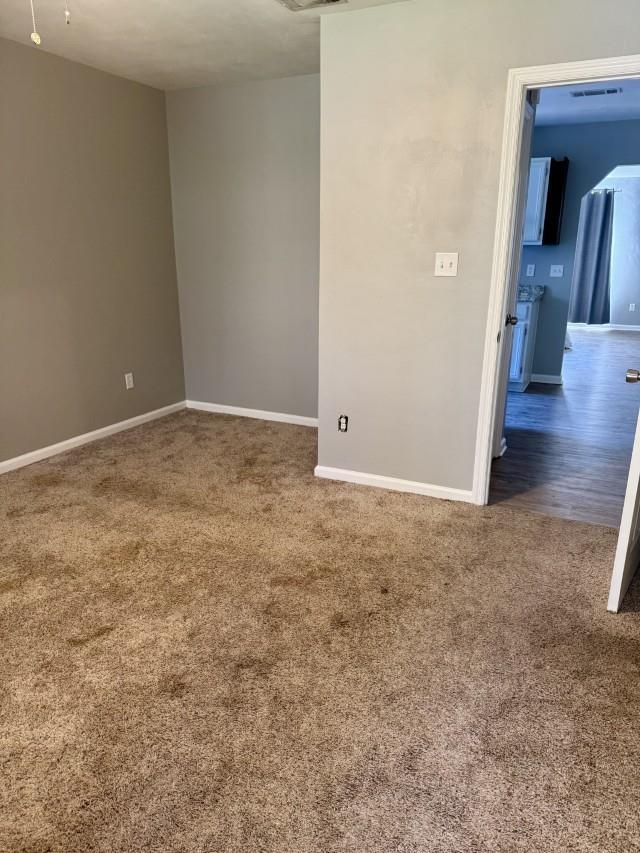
(545,201)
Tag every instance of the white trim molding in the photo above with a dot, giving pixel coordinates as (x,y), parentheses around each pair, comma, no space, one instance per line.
(260,414)
(519,81)
(547,378)
(85,438)
(604,327)
(394,484)
(503,447)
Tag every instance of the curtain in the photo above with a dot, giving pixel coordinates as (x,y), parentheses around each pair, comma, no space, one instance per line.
(589,301)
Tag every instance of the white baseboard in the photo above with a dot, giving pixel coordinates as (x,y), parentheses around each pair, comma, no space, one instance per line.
(393,483)
(503,448)
(260,414)
(94,435)
(548,378)
(604,327)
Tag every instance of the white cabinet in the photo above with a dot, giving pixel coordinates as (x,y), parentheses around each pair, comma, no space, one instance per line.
(524,343)
(537,192)
(545,201)
(517,352)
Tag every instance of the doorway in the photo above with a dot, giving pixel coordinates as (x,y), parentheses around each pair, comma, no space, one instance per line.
(570,417)
(549,405)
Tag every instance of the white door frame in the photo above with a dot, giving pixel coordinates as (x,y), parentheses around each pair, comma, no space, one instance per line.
(520,80)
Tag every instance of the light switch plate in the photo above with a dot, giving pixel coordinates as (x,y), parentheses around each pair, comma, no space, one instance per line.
(531,270)
(446,263)
(556,270)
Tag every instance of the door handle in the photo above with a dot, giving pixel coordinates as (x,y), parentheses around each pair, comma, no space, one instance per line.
(632,375)
(511,320)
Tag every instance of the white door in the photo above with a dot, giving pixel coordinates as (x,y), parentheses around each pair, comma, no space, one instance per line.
(514,274)
(628,550)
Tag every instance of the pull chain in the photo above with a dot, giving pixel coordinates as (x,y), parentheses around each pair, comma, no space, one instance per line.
(35,36)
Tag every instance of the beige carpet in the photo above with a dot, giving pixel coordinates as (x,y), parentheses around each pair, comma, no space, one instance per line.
(206,649)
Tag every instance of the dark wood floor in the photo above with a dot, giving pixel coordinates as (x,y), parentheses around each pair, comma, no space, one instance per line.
(569,446)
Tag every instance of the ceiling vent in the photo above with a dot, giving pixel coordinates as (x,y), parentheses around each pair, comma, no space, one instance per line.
(302,5)
(589,93)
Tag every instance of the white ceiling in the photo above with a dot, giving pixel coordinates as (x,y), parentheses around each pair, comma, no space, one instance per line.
(173,44)
(557,106)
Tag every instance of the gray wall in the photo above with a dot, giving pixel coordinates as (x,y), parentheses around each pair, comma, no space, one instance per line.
(594,150)
(245,185)
(87,270)
(411,137)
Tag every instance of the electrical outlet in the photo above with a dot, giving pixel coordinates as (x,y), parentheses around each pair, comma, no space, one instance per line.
(531,270)
(556,270)
(632,306)
(128,381)
(446,263)
(343,423)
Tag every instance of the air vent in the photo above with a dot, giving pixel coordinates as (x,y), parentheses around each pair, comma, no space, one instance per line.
(590,93)
(301,5)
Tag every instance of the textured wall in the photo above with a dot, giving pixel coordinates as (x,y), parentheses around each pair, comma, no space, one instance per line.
(87,269)
(245,180)
(411,136)
(594,150)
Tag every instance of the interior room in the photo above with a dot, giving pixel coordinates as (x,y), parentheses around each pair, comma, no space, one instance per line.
(257,284)
(570,415)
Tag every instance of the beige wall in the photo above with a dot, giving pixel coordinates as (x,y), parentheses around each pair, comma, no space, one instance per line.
(87,269)
(413,98)
(245,185)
